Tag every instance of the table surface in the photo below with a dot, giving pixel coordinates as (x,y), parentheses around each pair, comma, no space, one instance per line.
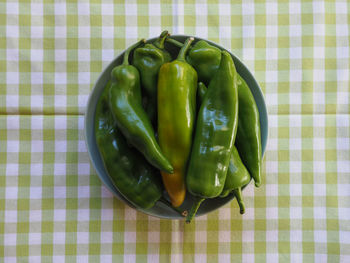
(53,207)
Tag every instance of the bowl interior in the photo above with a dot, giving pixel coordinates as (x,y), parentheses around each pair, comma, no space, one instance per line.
(160,210)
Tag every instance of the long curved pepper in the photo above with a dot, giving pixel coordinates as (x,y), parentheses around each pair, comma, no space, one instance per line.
(216,129)
(126,105)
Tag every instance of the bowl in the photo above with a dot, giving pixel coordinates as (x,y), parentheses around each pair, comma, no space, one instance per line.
(160,210)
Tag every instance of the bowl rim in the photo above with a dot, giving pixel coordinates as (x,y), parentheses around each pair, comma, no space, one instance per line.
(112,188)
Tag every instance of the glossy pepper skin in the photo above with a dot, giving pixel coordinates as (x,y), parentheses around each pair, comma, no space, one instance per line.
(248,141)
(177,86)
(148,60)
(237,177)
(126,105)
(201,91)
(134,178)
(215,135)
(205,58)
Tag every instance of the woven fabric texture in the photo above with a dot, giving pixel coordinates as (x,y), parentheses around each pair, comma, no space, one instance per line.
(54,208)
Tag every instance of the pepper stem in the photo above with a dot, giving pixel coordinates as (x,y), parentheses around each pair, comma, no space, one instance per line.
(184,49)
(238,194)
(127,52)
(194,208)
(176,209)
(159,43)
(174,42)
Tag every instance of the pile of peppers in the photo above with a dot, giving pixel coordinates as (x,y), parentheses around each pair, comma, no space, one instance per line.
(168,127)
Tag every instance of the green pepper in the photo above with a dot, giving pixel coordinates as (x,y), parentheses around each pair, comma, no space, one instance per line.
(130,173)
(132,120)
(177,86)
(215,135)
(201,91)
(205,58)
(248,141)
(237,177)
(147,60)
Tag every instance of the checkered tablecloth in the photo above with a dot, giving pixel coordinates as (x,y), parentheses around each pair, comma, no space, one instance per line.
(53,207)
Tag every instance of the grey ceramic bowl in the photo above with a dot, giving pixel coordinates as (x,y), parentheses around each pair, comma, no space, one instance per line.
(160,210)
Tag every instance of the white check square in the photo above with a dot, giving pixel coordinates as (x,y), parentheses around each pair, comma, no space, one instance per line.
(37,146)
(83,8)
(12,146)
(107,9)
(12,8)
(11,192)
(36,192)
(130,9)
(12,169)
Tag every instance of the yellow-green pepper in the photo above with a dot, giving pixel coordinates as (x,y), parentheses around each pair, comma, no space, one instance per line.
(177,85)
